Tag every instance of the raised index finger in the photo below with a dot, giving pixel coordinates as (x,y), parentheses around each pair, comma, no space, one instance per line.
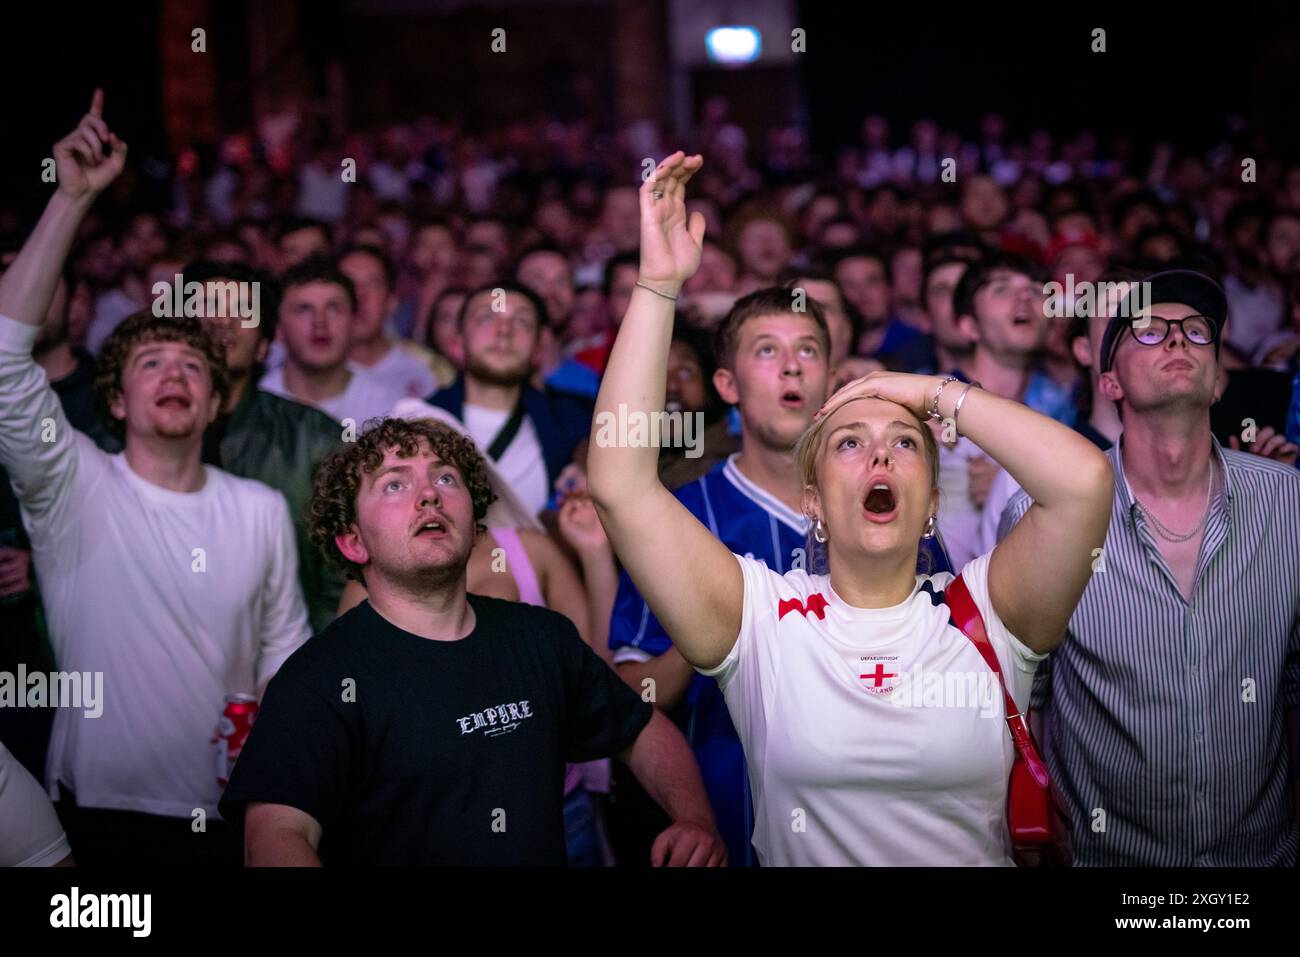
(97,103)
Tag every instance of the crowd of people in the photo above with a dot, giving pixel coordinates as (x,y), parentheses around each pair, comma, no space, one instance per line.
(323,428)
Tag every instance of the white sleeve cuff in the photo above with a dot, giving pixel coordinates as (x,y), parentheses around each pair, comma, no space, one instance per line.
(50,855)
(17,336)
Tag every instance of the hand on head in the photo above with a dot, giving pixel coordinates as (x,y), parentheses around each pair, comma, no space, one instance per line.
(905,388)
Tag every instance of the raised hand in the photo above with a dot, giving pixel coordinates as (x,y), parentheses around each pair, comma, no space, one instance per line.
(572,480)
(671,244)
(580,525)
(1270,444)
(82,168)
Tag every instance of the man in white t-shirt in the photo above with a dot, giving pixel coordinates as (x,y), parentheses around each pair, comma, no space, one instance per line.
(30,832)
(317,306)
(418,372)
(166,583)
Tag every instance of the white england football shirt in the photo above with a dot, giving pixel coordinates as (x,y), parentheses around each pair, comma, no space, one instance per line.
(873,736)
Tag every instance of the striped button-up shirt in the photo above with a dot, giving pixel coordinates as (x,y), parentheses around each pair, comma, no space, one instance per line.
(1164,729)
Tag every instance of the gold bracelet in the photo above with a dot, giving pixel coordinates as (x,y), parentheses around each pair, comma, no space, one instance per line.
(656,291)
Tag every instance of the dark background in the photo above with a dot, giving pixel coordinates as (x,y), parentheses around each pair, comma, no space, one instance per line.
(1170,71)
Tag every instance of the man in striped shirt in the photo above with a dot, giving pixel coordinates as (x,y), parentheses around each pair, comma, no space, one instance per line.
(1166,730)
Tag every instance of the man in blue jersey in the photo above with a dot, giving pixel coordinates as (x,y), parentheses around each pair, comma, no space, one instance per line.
(773,364)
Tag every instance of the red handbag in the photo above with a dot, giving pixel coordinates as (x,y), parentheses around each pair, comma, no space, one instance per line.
(1035,814)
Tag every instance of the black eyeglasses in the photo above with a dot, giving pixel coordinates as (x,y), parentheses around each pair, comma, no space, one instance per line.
(1153,330)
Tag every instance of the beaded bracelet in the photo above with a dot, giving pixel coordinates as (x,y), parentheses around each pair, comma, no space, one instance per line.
(933,412)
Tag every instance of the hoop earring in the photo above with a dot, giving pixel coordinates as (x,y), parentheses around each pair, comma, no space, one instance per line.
(929,528)
(819,532)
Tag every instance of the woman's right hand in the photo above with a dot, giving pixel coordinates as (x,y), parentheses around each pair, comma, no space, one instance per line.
(671,244)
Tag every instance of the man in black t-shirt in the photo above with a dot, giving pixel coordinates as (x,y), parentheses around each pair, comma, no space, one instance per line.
(429,726)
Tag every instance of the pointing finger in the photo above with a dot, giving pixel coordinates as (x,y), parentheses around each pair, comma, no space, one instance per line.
(97,124)
(92,140)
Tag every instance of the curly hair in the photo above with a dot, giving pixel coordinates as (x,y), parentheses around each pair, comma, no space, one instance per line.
(138,329)
(333,506)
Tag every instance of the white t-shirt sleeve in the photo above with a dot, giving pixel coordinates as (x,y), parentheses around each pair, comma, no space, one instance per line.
(284,624)
(30,833)
(44,454)
(1018,661)
(745,675)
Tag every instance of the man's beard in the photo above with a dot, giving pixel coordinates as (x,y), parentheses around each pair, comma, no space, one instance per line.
(485,373)
(424,579)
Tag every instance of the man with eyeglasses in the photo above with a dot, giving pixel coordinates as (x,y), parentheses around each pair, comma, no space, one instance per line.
(1171,702)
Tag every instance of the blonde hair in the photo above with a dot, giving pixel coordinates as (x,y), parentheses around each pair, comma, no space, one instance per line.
(805,457)
(806,449)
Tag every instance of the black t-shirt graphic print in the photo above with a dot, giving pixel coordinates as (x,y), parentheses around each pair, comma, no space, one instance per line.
(410,751)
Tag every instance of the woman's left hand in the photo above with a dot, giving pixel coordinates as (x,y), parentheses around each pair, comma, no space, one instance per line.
(913,391)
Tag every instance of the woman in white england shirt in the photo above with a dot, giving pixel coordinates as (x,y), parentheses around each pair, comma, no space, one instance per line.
(874,731)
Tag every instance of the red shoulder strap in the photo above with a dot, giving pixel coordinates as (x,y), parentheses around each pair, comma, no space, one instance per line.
(966,616)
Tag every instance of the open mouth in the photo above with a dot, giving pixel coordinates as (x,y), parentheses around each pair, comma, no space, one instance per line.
(431,529)
(173,402)
(791,399)
(880,504)
(1022,319)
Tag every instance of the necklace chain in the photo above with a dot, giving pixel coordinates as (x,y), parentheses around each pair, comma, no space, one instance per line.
(1172,536)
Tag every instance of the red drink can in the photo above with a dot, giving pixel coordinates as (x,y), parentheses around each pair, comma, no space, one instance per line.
(232,731)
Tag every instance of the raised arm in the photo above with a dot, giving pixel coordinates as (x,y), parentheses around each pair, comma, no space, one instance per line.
(687,577)
(1038,572)
(37,445)
(581,528)
(83,171)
